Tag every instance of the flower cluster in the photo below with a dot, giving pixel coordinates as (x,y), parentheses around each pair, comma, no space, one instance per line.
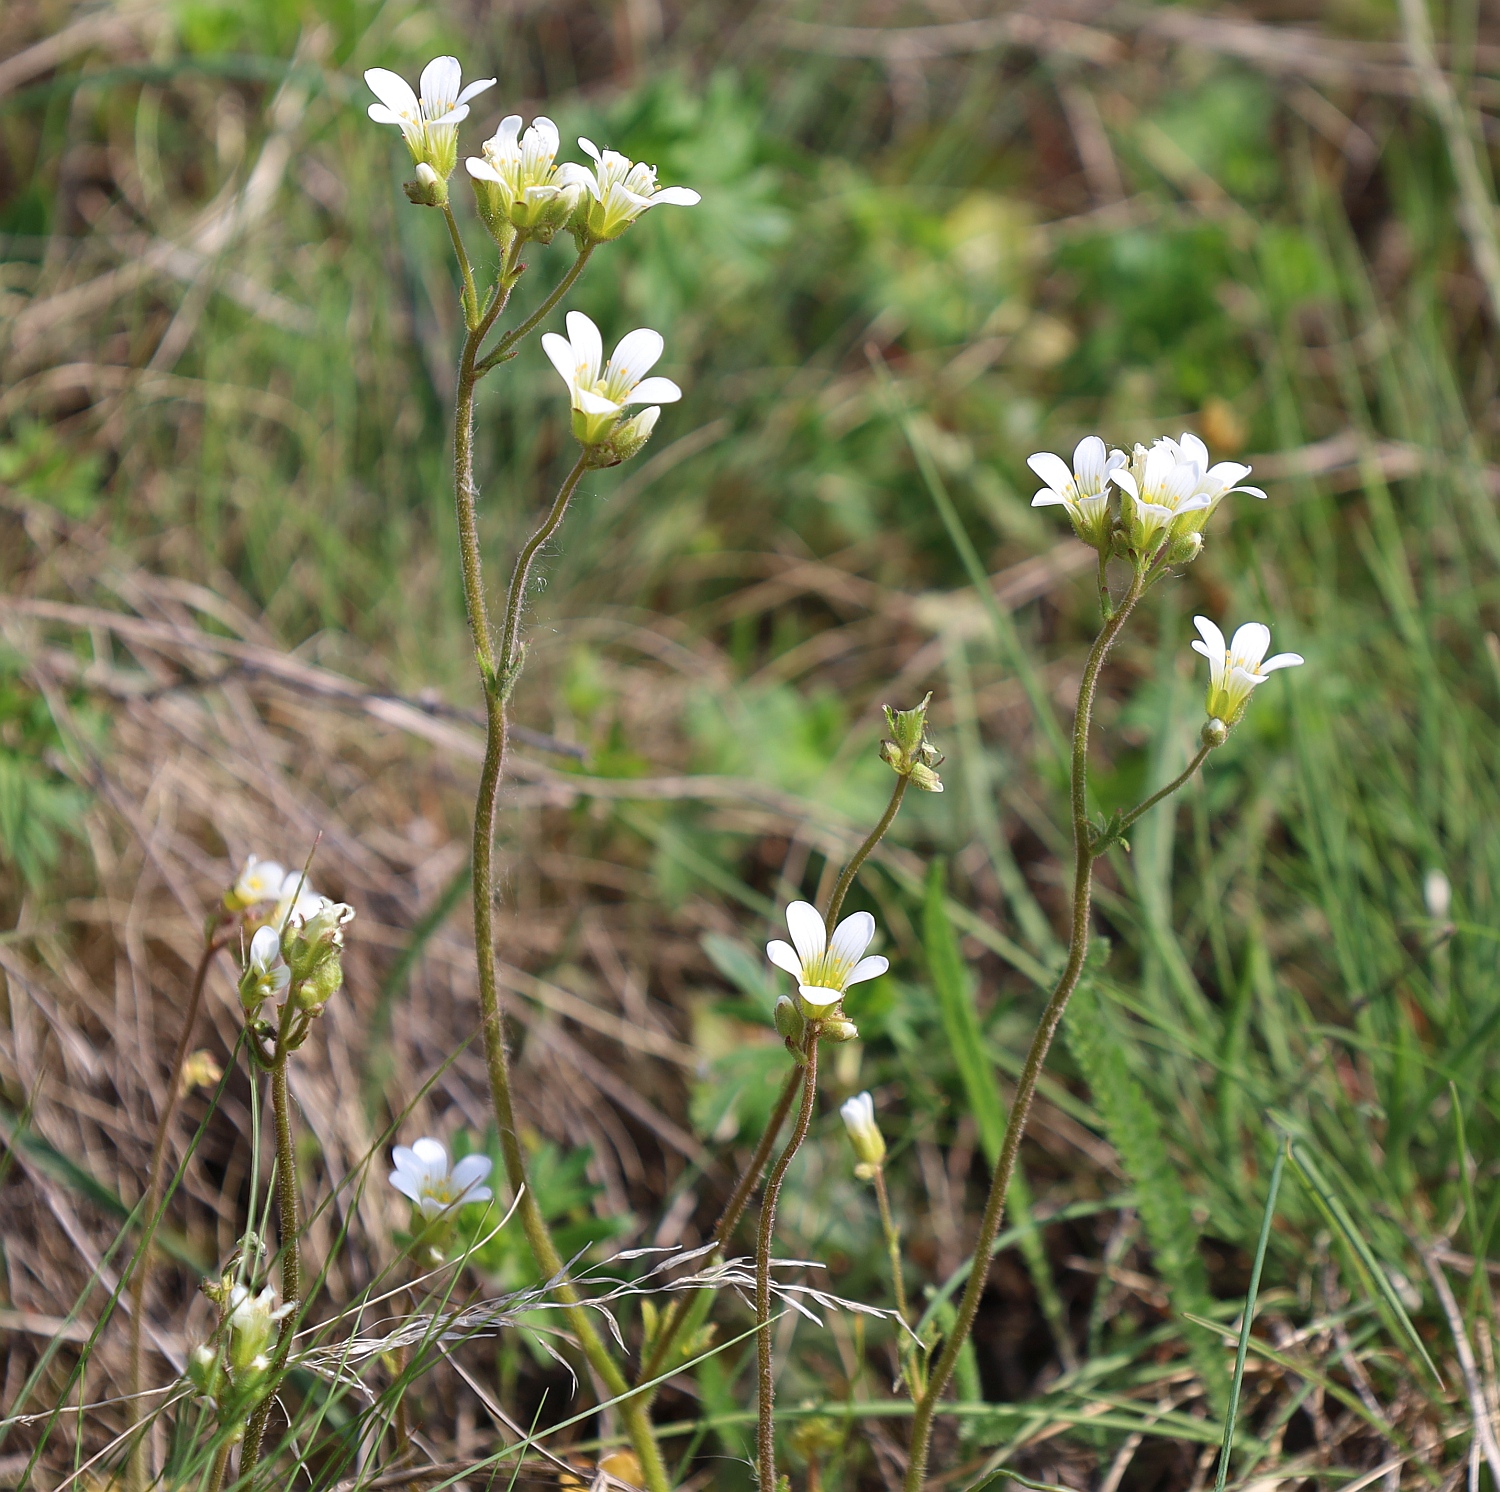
(297,947)
(518,185)
(908,752)
(1151,505)
(234,1371)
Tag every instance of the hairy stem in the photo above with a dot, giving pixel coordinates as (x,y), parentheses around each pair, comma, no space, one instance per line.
(471,296)
(847,875)
(291,1253)
(892,1243)
(1106,605)
(505,348)
(765,1376)
(220,1466)
(1036,1056)
(492,1015)
(139,1475)
(729,1220)
(1177,782)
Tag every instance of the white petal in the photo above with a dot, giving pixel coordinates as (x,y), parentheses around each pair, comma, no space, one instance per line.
(1250,644)
(852,936)
(1193,449)
(571,174)
(560,351)
(784,956)
(404,1158)
(809,936)
(1088,461)
(470,1171)
(654,391)
(818,997)
(265,947)
(588,148)
(475,89)
(1282,660)
(406,1183)
(676,197)
(1123,479)
(456,115)
(1193,503)
(482,171)
(591,403)
(382,115)
(1047,498)
(431,1155)
(1053,470)
(1211,635)
(859,1111)
(588,345)
(1203,647)
(638,352)
(1253,491)
(393,91)
(546,133)
(868,968)
(1227,473)
(503,141)
(430,1207)
(440,82)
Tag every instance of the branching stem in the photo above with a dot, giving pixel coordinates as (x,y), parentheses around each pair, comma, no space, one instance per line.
(729,1220)
(1036,1056)
(765,1368)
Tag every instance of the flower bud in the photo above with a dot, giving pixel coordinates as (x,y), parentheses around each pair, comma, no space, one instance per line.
(428,190)
(317,938)
(788,1020)
(251,1323)
(839,1029)
(1214,733)
(205,1371)
(266,974)
(909,753)
(858,1114)
(1185,548)
(623,441)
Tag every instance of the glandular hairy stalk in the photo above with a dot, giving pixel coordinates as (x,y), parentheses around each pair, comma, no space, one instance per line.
(1087,847)
(765,1237)
(497,669)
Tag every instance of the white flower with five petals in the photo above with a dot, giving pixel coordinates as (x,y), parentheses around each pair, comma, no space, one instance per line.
(1161,486)
(518,180)
(1235,669)
(424,1175)
(1216,483)
(600,394)
(260,881)
(619,191)
(429,123)
(824,968)
(1084,490)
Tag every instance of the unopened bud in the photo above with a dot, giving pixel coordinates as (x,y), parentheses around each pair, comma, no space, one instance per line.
(858,1114)
(428,190)
(1214,733)
(1185,548)
(909,753)
(788,1020)
(839,1029)
(205,1371)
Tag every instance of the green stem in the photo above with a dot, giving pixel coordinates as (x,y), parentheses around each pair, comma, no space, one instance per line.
(765,1376)
(892,1243)
(1036,1056)
(1105,604)
(291,1254)
(221,1465)
(471,296)
(139,1474)
(729,1220)
(521,576)
(504,349)
(492,1016)
(847,875)
(1179,781)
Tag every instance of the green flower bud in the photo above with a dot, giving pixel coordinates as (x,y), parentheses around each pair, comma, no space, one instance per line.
(205,1371)
(909,753)
(790,1025)
(838,1029)
(1214,733)
(428,190)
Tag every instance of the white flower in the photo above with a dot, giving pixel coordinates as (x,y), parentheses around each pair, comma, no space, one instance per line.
(423,1174)
(250,1320)
(858,1114)
(266,973)
(296,900)
(428,124)
(1235,670)
(518,180)
(1160,486)
(824,969)
(1084,491)
(599,396)
(1217,481)
(260,881)
(1438,894)
(620,190)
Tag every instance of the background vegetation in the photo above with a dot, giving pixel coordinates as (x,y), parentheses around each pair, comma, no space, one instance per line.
(230,624)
